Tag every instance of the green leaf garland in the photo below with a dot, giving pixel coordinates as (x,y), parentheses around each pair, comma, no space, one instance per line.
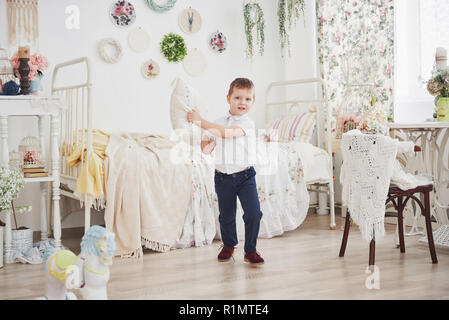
(259,23)
(173,47)
(294,10)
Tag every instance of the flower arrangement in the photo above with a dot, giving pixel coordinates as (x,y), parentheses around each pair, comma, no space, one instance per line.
(347,122)
(375,120)
(11,182)
(438,85)
(173,47)
(38,64)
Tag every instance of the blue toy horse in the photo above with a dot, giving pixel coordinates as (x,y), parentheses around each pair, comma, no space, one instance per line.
(88,272)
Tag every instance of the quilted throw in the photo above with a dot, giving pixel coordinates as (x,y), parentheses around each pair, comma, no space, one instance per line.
(147,195)
(368,162)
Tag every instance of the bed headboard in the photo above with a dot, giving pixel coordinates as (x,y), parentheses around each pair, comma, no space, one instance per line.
(76,120)
(320,100)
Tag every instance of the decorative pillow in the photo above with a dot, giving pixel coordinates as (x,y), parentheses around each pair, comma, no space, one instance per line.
(183,99)
(297,127)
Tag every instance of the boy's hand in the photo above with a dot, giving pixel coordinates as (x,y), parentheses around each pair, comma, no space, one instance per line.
(208,145)
(193,116)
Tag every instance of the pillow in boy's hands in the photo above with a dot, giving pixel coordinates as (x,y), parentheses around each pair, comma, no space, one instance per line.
(183,99)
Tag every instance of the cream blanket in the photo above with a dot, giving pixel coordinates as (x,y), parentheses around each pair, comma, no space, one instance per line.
(137,212)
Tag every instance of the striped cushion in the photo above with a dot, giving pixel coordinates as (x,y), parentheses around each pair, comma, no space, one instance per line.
(298,127)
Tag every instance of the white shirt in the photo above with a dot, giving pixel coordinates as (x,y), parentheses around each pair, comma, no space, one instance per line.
(235,154)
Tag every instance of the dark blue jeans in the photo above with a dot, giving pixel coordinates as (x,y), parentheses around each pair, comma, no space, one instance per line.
(228,187)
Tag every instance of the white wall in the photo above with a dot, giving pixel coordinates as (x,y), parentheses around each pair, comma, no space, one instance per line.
(124,101)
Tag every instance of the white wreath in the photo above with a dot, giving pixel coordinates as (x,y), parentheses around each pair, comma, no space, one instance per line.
(118,50)
(163,7)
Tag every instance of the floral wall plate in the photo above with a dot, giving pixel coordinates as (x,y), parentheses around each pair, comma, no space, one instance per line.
(122,13)
(150,69)
(194,63)
(138,40)
(218,42)
(190,21)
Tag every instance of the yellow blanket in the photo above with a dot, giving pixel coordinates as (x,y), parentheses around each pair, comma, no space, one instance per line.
(90,183)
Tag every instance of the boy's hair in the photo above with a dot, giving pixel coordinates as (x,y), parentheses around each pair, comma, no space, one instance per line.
(241,83)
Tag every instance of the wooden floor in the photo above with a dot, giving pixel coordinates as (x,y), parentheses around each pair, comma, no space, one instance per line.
(300,264)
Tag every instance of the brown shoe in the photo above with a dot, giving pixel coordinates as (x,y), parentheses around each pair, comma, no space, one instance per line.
(226,253)
(254,258)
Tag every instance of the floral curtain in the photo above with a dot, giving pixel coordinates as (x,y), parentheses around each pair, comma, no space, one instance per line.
(355,45)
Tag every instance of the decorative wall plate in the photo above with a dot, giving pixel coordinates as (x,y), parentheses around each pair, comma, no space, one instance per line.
(190,21)
(194,63)
(122,13)
(150,69)
(218,42)
(138,40)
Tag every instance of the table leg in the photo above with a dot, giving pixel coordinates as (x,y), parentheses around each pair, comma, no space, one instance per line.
(56,178)
(44,233)
(8,237)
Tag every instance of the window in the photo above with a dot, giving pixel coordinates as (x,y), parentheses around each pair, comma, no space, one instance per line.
(415,46)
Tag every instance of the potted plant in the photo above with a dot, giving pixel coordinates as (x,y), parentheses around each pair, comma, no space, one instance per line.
(438,86)
(11,182)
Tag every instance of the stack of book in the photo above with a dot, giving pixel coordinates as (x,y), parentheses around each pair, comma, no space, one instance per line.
(34,172)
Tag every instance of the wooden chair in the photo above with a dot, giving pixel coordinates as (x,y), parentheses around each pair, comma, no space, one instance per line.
(396,196)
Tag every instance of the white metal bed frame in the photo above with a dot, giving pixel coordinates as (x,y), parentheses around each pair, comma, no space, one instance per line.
(76,128)
(324,138)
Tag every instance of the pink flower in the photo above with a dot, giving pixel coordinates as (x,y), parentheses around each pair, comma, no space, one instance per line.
(40,61)
(337,37)
(36,63)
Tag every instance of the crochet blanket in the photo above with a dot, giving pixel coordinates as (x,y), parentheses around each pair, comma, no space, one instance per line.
(147,195)
(368,162)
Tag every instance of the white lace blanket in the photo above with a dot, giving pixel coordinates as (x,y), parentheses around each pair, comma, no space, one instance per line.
(368,162)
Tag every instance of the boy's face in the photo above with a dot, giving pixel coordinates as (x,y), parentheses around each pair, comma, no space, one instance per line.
(240,101)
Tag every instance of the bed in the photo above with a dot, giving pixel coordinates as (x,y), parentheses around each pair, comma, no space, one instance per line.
(90,173)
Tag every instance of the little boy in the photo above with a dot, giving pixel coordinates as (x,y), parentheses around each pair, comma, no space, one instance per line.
(232,137)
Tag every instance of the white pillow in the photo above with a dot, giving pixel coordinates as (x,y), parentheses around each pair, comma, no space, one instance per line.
(183,99)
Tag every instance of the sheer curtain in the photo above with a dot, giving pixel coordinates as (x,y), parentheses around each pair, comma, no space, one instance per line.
(420,27)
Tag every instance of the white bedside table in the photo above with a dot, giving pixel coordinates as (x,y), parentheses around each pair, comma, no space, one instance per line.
(40,107)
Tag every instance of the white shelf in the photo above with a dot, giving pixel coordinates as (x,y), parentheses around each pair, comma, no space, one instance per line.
(39,179)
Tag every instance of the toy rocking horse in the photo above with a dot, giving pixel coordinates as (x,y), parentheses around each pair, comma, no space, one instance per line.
(88,272)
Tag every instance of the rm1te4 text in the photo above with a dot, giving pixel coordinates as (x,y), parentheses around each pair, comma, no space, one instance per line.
(245,309)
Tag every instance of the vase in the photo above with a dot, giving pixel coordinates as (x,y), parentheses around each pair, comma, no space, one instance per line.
(35,85)
(443,109)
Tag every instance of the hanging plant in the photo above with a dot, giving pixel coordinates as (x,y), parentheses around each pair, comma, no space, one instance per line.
(291,11)
(253,16)
(173,47)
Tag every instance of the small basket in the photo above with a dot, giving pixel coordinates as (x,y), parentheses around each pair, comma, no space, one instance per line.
(30,149)
(21,240)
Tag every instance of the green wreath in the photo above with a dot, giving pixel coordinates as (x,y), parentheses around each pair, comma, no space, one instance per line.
(173,47)
(161,8)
